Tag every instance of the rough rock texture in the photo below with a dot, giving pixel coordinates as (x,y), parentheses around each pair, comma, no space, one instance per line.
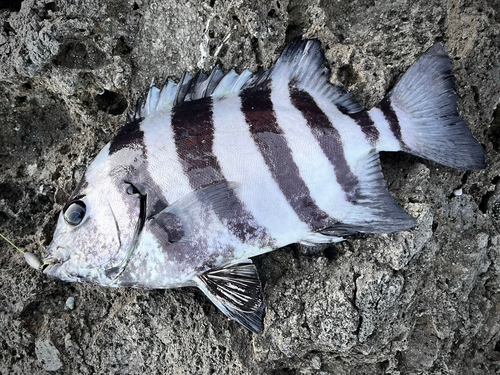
(420,302)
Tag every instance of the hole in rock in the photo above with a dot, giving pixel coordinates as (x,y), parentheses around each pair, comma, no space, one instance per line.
(12,5)
(111,102)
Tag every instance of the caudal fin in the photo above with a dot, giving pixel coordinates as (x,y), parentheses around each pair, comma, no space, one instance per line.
(422,114)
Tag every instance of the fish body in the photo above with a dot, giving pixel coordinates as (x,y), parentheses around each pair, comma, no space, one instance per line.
(217,169)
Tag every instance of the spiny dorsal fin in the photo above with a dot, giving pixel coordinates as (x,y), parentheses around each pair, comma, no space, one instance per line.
(302,64)
(236,290)
(190,88)
(139,113)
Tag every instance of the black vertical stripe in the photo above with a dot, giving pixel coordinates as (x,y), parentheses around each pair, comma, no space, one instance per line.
(80,188)
(193,127)
(129,136)
(386,107)
(257,107)
(328,138)
(131,139)
(367,125)
(364,121)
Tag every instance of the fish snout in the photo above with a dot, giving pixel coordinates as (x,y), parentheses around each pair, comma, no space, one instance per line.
(55,255)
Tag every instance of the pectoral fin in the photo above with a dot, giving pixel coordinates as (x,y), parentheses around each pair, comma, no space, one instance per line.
(218,197)
(186,219)
(237,292)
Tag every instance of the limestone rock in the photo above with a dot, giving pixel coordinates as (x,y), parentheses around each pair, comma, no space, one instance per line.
(424,301)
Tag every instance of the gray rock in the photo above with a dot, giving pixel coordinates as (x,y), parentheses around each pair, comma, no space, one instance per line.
(47,354)
(424,301)
(70,303)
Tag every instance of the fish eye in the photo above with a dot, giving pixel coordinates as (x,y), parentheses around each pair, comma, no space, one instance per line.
(75,212)
(131,190)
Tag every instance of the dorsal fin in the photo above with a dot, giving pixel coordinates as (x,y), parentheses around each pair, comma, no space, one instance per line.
(190,88)
(302,64)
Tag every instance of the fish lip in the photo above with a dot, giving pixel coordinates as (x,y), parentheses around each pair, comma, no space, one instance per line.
(49,264)
(52,260)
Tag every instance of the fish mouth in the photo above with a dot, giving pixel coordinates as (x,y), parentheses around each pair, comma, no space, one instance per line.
(56,258)
(51,260)
(47,262)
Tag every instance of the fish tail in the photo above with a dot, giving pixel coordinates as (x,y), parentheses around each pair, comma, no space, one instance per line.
(420,116)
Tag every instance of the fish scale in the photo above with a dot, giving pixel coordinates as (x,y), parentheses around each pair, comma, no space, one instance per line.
(328,139)
(216,169)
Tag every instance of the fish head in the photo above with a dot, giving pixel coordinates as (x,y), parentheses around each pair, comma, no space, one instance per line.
(97,228)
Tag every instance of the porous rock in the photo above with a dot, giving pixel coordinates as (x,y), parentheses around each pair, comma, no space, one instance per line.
(424,301)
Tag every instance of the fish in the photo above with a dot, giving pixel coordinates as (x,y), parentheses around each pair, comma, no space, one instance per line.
(219,168)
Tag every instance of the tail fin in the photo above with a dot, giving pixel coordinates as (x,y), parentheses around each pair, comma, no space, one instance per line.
(422,113)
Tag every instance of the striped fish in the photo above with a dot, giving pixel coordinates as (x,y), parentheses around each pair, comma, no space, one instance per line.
(216,169)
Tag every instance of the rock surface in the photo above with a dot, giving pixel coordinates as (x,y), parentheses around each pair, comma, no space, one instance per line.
(420,302)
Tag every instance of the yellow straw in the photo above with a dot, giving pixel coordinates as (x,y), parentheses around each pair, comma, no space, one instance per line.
(15,247)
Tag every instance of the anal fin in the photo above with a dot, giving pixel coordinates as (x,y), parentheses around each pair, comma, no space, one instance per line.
(373,208)
(236,290)
(320,238)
